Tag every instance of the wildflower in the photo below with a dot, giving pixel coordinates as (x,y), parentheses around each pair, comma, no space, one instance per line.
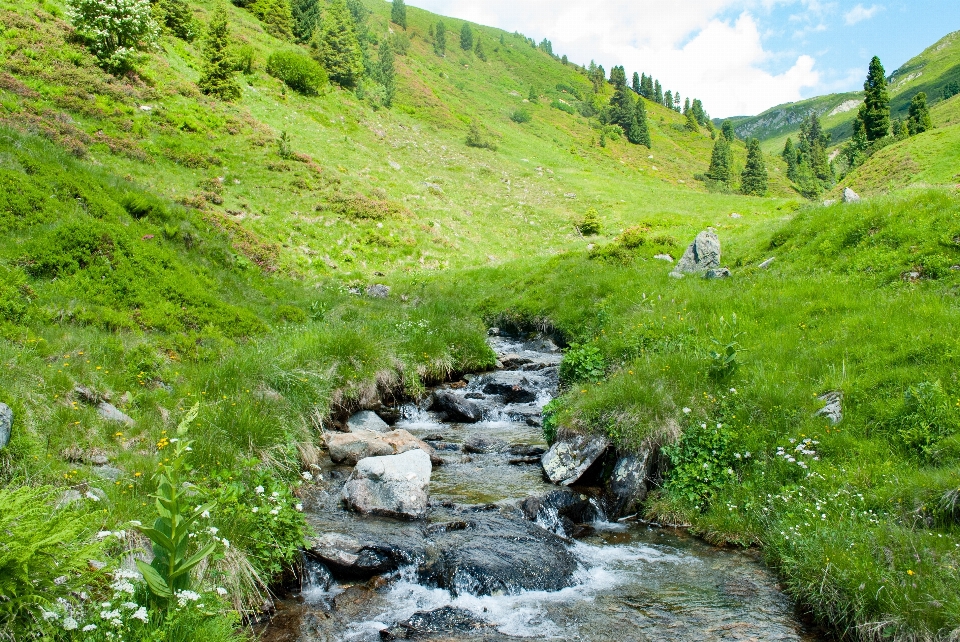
(49,615)
(213,530)
(187,596)
(69,624)
(205,514)
(123,586)
(104,534)
(141,614)
(274,512)
(687,411)
(306,475)
(746,455)
(222,592)
(225,542)
(733,390)
(89,627)
(255,510)
(130,605)
(274,494)
(258,490)
(299,508)
(909,572)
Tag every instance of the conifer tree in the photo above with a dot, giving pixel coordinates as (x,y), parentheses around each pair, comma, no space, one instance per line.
(479,50)
(657,93)
(217,78)
(386,73)
(676,102)
(753,180)
(440,39)
(698,112)
(691,123)
(720,161)
(646,88)
(533,95)
(638,82)
(875,110)
(466,37)
(276,16)
(668,99)
(918,120)
(639,133)
(398,13)
(856,149)
(565,60)
(727,130)
(686,106)
(306,17)
(900,129)
(789,156)
(336,46)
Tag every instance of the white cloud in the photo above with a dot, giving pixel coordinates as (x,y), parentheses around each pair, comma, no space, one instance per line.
(860,13)
(689,46)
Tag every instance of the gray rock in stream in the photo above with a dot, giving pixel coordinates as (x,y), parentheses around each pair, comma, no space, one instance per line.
(491,554)
(391,486)
(570,457)
(701,255)
(445,622)
(367,420)
(628,481)
(6,424)
(561,511)
(513,387)
(458,408)
(371,548)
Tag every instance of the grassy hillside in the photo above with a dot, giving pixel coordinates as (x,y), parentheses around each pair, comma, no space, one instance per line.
(158,250)
(934,68)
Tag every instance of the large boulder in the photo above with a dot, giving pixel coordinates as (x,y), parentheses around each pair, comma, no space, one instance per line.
(347,557)
(570,457)
(366,420)
(350,447)
(701,255)
(391,486)
(457,407)
(444,623)
(512,386)
(849,196)
(112,413)
(6,424)
(562,512)
(495,555)
(628,481)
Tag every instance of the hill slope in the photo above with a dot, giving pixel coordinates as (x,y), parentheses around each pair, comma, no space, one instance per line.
(936,67)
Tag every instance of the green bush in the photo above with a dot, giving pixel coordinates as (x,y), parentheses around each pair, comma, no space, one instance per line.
(701,462)
(582,362)
(925,418)
(563,106)
(115,31)
(299,71)
(590,223)
(520,116)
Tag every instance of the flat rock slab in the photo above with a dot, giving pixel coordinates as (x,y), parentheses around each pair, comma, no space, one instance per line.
(391,486)
(570,457)
(351,447)
(367,420)
(495,555)
(6,424)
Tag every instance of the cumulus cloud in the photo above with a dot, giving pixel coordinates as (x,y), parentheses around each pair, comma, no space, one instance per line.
(860,13)
(695,47)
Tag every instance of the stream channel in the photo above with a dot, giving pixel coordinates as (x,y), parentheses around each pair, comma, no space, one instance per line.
(492,562)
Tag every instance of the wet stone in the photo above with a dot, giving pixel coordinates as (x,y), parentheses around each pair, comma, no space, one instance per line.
(459,408)
(478,444)
(426,624)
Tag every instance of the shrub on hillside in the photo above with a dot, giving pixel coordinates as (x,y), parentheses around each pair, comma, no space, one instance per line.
(925,418)
(590,223)
(298,71)
(582,362)
(476,138)
(520,116)
(115,29)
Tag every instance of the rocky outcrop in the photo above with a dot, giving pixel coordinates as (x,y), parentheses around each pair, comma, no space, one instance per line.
(701,255)
(721,273)
(457,408)
(570,457)
(849,196)
(493,554)
(511,386)
(832,407)
(439,624)
(351,447)
(364,553)
(378,291)
(562,512)
(366,420)
(481,444)
(6,424)
(391,486)
(627,485)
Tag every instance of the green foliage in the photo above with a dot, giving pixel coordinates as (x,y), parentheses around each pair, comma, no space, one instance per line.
(722,359)
(217,78)
(520,116)
(263,517)
(875,111)
(753,180)
(691,122)
(727,131)
(176,17)
(479,50)
(275,15)
(720,169)
(386,73)
(950,90)
(919,119)
(550,425)
(440,39)
(582,362)
(590,223)
(306,16)
(115,31)
(398,13)
(925,418)
(477,138)
(173,534)
(299,71)
(700,462)
(336,47)
(466,37)
(43,556)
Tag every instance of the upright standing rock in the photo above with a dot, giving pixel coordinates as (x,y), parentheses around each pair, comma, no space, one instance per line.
(701,255)
(6,424)
(569,458)
(849,196)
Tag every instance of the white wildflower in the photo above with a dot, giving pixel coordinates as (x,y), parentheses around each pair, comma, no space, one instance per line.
(733,390)
(274,512)
(133,606)
(205,514)
(89,627)
(104,534)
(299,508)
(258,490)
(746,455)
(187,596)
(91,496)
(255,510)
(123,586)
(306,475)
(222,592)
(274,494)
(213,530)
(225,542)
(49,615)
(69,624)
(141,614)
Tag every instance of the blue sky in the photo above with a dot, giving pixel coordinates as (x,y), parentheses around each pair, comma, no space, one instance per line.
(739,56)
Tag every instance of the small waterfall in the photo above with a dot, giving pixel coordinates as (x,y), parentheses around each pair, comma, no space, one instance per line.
(317,584)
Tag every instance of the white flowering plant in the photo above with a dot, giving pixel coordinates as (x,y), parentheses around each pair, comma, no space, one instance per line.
(115,30)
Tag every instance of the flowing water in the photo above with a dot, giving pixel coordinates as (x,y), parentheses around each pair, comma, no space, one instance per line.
(632,581)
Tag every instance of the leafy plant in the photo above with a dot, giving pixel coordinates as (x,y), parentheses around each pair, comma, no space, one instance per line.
(700,462)
(590,223)
(723,360)
(520,116)
(550,412)
(172,534)
(115,29)
(476,138)
(582,362)
(299,71)
(925,418)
